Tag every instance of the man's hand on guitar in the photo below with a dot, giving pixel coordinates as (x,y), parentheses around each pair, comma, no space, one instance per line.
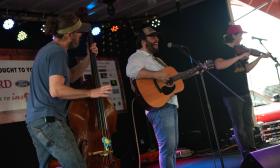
(201,68)
(162,76)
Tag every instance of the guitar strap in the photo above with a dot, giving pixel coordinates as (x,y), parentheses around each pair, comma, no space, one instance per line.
(160,61)
(132,85)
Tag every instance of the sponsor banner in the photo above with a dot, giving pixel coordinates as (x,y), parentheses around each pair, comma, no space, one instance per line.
(108,74)
(14,87)
(14,84)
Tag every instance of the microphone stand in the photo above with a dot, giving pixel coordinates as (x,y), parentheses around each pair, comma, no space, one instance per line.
(273,58)
(183,50)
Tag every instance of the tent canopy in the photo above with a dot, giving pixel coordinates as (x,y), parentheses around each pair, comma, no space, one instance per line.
(272,7)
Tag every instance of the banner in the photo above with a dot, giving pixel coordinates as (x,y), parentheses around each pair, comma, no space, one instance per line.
(14,87)
(108,73)
(14,84)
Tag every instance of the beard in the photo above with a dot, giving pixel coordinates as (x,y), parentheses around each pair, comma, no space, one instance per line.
(75,42)
(151,48)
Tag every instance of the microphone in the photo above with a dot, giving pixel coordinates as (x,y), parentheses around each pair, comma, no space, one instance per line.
(257,38)
(172,45)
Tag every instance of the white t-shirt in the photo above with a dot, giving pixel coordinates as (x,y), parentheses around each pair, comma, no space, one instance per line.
(142,59)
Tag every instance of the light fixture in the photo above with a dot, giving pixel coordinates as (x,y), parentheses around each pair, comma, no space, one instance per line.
(90,8)
(115,28)
(155,22)
(21,36)
(95,31)
(8,24)
(91,5)
(43,28)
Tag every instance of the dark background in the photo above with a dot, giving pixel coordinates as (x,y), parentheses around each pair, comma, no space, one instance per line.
(199,27)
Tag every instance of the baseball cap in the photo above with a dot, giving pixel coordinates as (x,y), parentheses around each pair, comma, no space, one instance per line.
(234,29)
(148,31)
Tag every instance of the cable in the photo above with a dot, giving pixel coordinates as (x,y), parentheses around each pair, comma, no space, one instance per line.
(135,133)
(208,106)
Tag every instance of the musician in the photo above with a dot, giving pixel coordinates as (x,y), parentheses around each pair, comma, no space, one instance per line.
(143,64)
(233,67)
(50,92)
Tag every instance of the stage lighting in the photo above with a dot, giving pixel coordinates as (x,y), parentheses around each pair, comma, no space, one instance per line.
(114,28)
(91,5)
(91,13)
(21,36)
(95,31)
(155,23)
(8,24)
(43,28)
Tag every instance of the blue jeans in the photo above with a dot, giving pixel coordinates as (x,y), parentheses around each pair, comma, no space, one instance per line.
(165,125)
(241,117)
(55,139)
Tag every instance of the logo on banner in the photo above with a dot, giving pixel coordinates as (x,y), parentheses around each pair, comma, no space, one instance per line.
(5,84)
(22,83)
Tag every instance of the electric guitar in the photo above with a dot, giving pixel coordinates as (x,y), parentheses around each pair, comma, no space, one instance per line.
(154,93)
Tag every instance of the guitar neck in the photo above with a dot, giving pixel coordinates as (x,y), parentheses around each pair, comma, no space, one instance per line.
(186,74)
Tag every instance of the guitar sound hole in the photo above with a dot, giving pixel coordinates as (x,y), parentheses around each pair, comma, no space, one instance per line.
(167,90)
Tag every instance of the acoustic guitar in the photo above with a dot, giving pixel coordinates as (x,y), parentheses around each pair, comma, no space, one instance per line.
(154,93)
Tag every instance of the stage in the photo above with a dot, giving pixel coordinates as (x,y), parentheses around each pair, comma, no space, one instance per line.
(263,157)
(231,160)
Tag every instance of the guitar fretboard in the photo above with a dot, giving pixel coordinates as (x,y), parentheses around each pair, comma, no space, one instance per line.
(186,74)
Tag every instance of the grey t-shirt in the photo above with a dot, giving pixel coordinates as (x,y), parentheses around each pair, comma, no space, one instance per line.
(50,60)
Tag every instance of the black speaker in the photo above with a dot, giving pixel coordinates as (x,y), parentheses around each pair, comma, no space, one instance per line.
(263,158)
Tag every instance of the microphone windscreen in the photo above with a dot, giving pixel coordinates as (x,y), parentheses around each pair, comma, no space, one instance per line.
(169,45)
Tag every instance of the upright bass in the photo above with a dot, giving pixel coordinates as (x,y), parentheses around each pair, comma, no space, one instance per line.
(93,121)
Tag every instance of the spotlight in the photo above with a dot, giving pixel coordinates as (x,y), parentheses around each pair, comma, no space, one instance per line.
(43,28)
(21,36)
(91,5)
(8,24)
(90,8)
(95,31)
(114,28)
(155,23)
